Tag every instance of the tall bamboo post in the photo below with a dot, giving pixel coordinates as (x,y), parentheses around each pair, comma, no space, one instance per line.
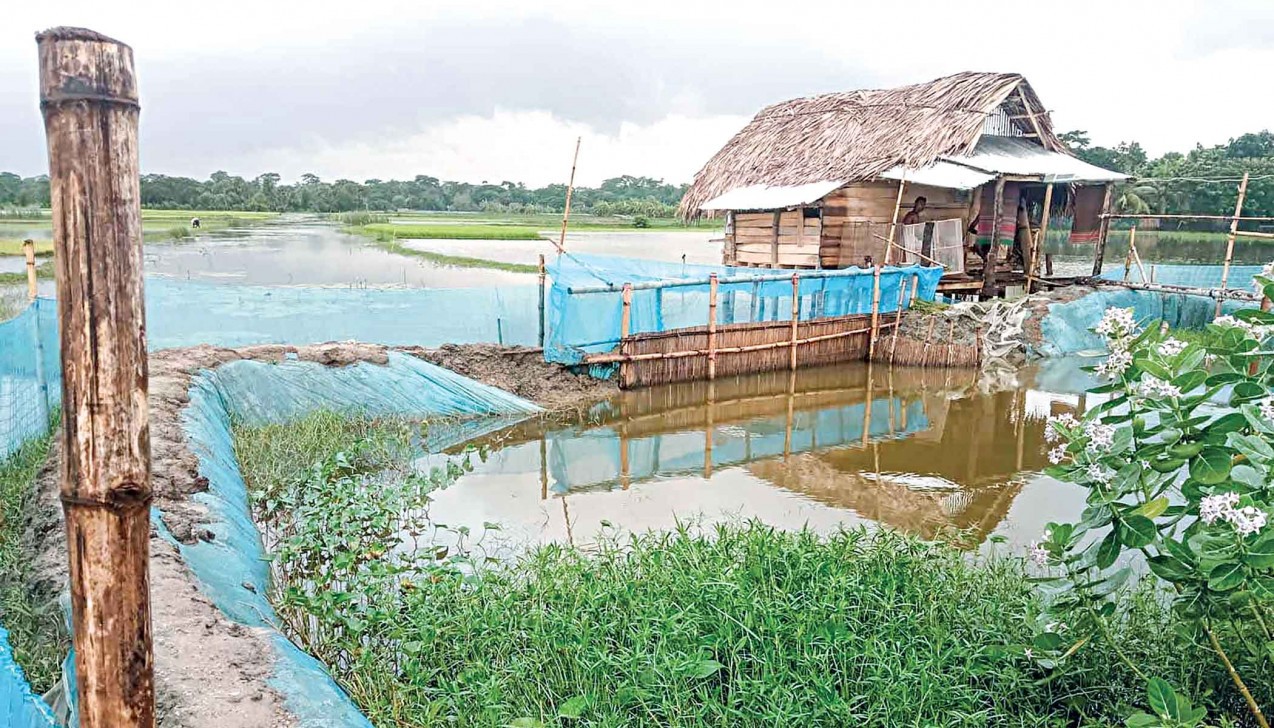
(1136,254)
(544,469)
(796,316)
(33,286)
(1042,235)
(625,327)
(88,96)
(1132,243)
(543,279)
(950,342)
(712,326)
(1103,230)
(893,344)
(1229,240)
(893,224)
(570,188)
(875,314)
(997,209)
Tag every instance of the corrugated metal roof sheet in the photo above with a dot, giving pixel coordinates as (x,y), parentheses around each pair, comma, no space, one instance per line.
(1022,157)
(765,197)
(942,174)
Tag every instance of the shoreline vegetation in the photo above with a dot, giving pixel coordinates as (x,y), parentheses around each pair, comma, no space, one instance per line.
(738,624)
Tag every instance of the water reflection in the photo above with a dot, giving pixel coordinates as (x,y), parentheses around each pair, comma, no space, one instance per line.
(923,451)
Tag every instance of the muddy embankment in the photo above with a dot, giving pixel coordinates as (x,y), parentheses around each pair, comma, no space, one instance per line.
(211,672)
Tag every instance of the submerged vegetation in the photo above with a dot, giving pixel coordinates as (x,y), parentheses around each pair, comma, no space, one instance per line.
(32,616)
(740,624)
(386,237)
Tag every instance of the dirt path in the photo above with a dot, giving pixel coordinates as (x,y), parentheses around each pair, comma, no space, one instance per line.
(211,672)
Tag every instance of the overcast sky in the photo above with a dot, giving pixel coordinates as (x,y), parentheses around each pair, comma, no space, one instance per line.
(493,90)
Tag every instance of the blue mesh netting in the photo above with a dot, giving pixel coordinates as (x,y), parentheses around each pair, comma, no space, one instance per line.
(582,323)
(258,393)
(30,374)
(1198,276)
(1067,329)
(19,707)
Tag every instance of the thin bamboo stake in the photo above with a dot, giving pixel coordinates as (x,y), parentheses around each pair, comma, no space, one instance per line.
(88,96)
(543,279)
(796,316)
(1041,236)
(625,327)
(893,340)
(1132,239)
(1235,294)
(1103,231)
(916,253)
(950,342)
(1229,241)
(1136,255)
(612,358)
(712,326)
(867,404)
(544,469)
(33,286)
(875,313)
(570,188)
(928,338)
(988,272)
(893,224)
(1188,217)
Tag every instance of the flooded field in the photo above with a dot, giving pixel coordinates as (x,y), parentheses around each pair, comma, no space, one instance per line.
(702,247)
(921,451)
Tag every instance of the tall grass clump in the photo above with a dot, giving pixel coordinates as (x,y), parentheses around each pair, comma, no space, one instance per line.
(736,625)
(360,217)
(31,613)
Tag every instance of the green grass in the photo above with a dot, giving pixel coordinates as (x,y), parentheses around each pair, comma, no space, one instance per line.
(386,240)
(741,625)
(14,247)
(43,270)
(454,232)
(553,222)
(34,618)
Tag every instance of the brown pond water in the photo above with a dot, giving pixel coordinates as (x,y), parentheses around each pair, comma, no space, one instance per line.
(927,452)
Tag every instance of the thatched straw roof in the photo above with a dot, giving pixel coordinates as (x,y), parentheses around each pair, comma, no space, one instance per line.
(857,135)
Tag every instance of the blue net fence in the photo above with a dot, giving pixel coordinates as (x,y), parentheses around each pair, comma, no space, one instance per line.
(30,374)
(586,301)
(1196,276)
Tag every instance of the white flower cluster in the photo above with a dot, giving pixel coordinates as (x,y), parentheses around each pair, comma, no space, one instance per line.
(1116,324)
(1099,473)
(1267,270)
(1100,437)
(1171,347)
(1038,554)
(1221,507)
(1117,363)
(1229,322)
(1267,408)
(1057,454)
(1052,431)
(1155,387)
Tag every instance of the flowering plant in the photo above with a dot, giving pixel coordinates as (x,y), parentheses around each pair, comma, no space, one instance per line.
(1178,463)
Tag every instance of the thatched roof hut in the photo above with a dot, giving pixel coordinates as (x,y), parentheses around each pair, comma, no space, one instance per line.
(843,154)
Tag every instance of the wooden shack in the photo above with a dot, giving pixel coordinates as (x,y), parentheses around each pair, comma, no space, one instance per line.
(826,181)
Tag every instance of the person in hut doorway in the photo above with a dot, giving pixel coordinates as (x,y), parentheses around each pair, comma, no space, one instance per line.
(913,216)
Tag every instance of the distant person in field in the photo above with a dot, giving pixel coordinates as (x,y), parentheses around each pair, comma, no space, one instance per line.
(913,216)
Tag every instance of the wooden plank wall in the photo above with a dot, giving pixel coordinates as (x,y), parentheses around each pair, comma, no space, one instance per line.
(753,240)
(659,371)
(857,216)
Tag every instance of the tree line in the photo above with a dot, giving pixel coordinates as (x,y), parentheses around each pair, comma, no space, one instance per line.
(1169,184)
(623,195)
(1173,183)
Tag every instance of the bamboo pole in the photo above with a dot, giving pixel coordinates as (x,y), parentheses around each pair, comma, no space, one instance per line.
(33,286)
(712,326)
(544,469)
(796,317)
(625,328)
(1188,217)
(88,97)
(543,280)
(916,253)
(1229,240)
(1136,255)
(924,359)
(1103,230)
(893,224)
(950,342)
(988,272)
(1041,237)
(1132,240)
(893,340)
(570,188)
(1235,294)
(612,358)
(875,314)
(774,240)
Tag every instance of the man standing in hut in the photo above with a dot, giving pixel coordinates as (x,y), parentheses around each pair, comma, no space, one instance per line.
(913,216)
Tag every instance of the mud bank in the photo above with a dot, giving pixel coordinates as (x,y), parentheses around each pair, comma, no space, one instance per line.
(211,672)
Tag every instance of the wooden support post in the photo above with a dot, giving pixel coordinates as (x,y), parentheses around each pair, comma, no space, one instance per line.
(1136,255)
(544,469)
(1042,236)
(543,280)
(893,224)
(33,286)
(796,316)
(867,404)
(712,326)
(924,356)
(893,343)
(625,328)
(570,188)
(88,97)
(1132,242)
(950,342)
(988,273)
(1103,230)
(774,240)
(625,470)
(1229,240)
(710,412)
(875,314)
(915,287)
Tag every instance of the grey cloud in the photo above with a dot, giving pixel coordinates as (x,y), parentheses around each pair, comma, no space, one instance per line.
(207,107)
